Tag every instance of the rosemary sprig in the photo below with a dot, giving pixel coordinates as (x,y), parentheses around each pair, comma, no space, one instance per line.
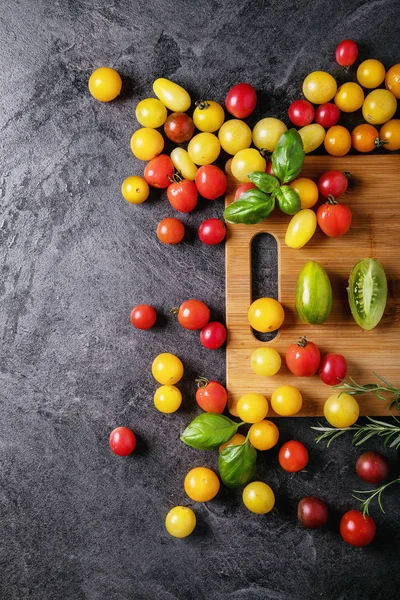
(387,392)
(365,502)
(390,432)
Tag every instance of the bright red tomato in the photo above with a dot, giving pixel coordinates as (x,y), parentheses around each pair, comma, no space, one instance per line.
(212,232)
(143,316)
(327,115)
(241,100)
(293,456)
(193,314)
(312,512)
(333,183)
(243,187)
(182,195)
(303,358)
(213,335)
(211,182)
(301,113)
(179,127)
(356,529)
(372,467)
(122,441)
(334,219)
(159,171)
(346,53)
(332,369)
(170,231)
(211,397)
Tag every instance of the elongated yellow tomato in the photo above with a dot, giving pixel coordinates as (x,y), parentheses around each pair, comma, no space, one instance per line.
(151,112)
(147,143)
(172,95)
(319,87)
(379,106)
(301,228)
(183,163)
(267,133)
(234,135)
(246,161)
(208,116)
(105,84)
(390,133)
(312,135)
(204,148)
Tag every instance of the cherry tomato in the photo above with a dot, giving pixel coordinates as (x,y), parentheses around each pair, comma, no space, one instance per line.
(319,87)
(193,314)
(365,138)
(182,195)
(301,228)
(201,484)
(135,189)
(392,80)
(286,401)
(263,435)
(301,113)
(211,397)
(333,184)
(258,497)
(211,182)
(212,232)
(241,100)
(246,161)
(242,188)
(390,133)
(372,467)
(167,399)
(327,115)
(146,143)
(122,441)
(341,410)
(312,512)
(159,171)
(179,127)
(307,189)
(170,231)
(213,335)
(371,73)
(379,106)
(252,408)
(333,368)
(204,148)
(180,521)
(208,116)
(237,440)
(183,163)
(266,314)
(267,133)
(356,529)
(265,361)
(293,456)
(346,53)
(334,219)
(349,97)
(234,135)
(312,137)
(268,168)
(167,369)
(337,140)
(303,358)
(151,112)
(105,84)
(172,95)
(143,316)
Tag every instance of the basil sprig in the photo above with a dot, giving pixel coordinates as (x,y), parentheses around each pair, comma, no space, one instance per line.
(288,200)
(209,430)
(237,464)
(264,181)
(252,207)
(288,156)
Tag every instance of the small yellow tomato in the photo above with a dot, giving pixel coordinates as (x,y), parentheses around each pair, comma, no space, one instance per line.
(147,143)
(307,189)
(135,189)
(105,84)
(204,148)
(246,161)
(267,133)
(286,401)
(379,106)
(201,484)
(252,407)
(263,435)
(167,369)
(392,80)
(265,361)
(183,163)
(167,399)
(180,521)
(172,95)
(301,228)
(370,73)
(237,440)
(390,133)
(341,410)
(349,97)
(208,116)
(266,314)
(319,87)
(312,136)
(151,112)
(337,140)
(234,135)
(258,497)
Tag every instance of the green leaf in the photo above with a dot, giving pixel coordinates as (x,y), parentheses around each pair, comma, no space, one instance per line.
(252,207)
(288,200)
(237,464)
(264,181)
(209,431)
(288,156)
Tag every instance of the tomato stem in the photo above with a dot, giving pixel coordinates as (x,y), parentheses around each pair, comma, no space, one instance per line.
(265,153)
(331,200)
(174,310)
(379,143)
(347,174)
(202,382)
(202,104)
(177,177)
(302,342)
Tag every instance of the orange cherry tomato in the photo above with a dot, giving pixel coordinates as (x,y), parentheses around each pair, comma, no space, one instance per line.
(365,138)
(337,140)
(170,231)
(392,80)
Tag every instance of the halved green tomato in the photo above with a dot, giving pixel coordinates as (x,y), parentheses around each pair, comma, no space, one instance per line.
(367,292)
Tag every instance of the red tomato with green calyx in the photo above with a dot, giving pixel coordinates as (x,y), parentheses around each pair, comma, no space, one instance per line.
(327,115)
(211,182)
(193,314)
(293,456)
(211,396)
(334,219)
(179,127)
(182,195)
(159,171)
(143,316)
(301,113)
(333,368)
(333,184)
(241,100)
(212,232)
(213,335)
(356,529)
(122,441)
(372,467)
(303,358)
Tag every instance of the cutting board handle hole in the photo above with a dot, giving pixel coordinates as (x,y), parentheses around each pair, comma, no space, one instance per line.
(264,273)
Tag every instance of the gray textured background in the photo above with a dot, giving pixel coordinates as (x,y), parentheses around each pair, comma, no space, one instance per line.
(77,522)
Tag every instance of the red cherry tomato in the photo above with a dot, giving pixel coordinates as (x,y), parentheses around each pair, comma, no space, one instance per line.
(211,182)
(241,100)
(332,183)
(346,53)
(193,314)
(268,168)
(143,316)
(213,335)
(332,369)
(122,441)
(170,231)
(243,187)
(327,115)
(212,232)
(293,456)
(158,171)
(372,467)
(182,195)
(211,397)
(312,512)
(179,127)
(303,358)
(334,219)
(356,529)
(301,113)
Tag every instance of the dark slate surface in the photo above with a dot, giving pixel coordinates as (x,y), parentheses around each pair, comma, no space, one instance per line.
(77,522)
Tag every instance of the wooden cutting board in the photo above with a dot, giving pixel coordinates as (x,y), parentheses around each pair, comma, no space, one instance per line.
(375,232)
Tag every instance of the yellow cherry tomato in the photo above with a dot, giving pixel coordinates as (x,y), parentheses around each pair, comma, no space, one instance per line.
(135,189)
(167,399)
(319,87)
(167,369)
(204,148)
(263,435)
(265,361)
(341,410)
(301,228)
(312,136)
(266,314)
(365,138)
(337,140)
(201,484)
(246,161)
(286,401)
(379,106)
(105,84)
(234,135)
(370,73)
(147,143)
(172,95)
(252,407)
(267,133)
(258,497)
(307,189)
(180,521)
(208,116)
(151,112)
(183,163)
(390,133)
(237,440)
(349,97)
(392,80)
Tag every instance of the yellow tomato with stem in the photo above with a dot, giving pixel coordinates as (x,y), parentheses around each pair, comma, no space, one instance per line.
(105,84)
(167,399)
(258,497)
(266,314)
(208,116)
(392,80)
(167,369)
(147,143)
(349,97)
(301,228)
(337,140)
(183,163)
(151,112)
(286,400)
(172,95)
(312,136)
(246,161)
(252,407)
(265,361)
(307,190)
(180,521)
(201,484)
(234,135)
(237,440)
(263,435)
(371,73)
(319,87)
(390,133)
(135,189)
(341,410)
(267,133)
(204,148)
(379,106)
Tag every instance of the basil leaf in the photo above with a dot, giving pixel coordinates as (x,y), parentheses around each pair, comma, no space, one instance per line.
(288,156)
(264,181)
(252,207)
(237,464)
(209,431)
(288,200)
